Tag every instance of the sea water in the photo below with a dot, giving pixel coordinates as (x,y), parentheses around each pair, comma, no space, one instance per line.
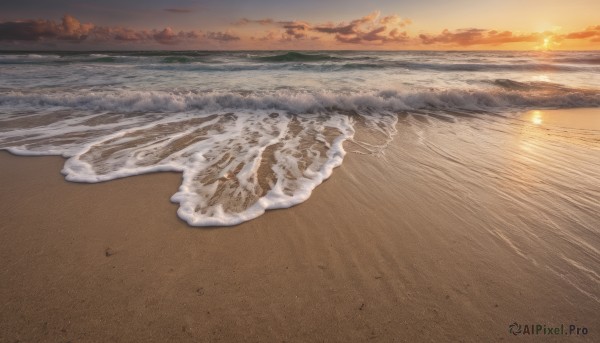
(258,130)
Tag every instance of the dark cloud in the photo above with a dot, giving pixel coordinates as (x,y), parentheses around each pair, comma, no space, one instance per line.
(348,29)
(295,30)
(165,36)
(344,30)
(397,36)
(221,36)
(379,34)
(69,29)
(122,34)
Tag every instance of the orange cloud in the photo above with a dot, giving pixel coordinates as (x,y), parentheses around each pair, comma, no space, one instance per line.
(246,21)
(365,29)
(468,37)
(395,20)
(592,32)
(268,36)
(369,29)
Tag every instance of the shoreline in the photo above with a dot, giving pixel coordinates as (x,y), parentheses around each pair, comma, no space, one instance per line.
(379,251)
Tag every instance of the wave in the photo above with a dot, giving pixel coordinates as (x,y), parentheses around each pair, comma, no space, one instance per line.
(104,59)
(540,67)
(508,95)
(176,59)
(461,67)
(533,86)
(293,56)
(299,61)
(581,60)
(340,66)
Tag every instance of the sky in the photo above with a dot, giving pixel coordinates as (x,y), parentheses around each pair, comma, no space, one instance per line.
(300,25)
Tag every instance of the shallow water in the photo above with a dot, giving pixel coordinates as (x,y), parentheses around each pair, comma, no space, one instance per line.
(534,187)
(252,131)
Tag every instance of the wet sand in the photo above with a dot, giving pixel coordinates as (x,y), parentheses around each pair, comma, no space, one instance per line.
(384,250)
(580,118)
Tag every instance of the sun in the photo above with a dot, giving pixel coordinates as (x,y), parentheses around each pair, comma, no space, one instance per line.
(547,43)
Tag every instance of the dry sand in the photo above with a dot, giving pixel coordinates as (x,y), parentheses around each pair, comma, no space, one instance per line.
(360,260)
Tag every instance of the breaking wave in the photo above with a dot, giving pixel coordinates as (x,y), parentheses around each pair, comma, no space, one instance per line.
(506,96)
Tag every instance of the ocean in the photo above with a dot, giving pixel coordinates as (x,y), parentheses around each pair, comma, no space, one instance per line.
(258,130)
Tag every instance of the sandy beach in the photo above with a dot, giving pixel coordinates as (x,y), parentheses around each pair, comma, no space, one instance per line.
(384,250)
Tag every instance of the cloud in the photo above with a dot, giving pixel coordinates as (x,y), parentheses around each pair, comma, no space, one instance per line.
(374,29)
(592,32)
(369,29)
(246,21)
(295,29)
(348,29)
(268,36)
(69,29)
(72,30)
(379,34)
(179,10)
(468,37)
(395,20)
(221,36)
(168,36)
(121,34)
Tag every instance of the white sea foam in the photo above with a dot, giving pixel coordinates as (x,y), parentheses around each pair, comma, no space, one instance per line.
(235,166)
(28,57)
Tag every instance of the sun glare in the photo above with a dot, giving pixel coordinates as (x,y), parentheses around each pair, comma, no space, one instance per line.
(537,118)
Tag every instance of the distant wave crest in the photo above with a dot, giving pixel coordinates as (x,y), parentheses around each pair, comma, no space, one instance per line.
(298,57)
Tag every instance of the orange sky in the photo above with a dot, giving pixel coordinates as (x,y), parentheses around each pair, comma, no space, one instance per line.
(311,25)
